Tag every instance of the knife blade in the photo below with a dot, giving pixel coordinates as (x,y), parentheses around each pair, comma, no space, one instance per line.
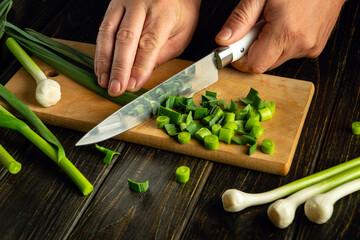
(194,78)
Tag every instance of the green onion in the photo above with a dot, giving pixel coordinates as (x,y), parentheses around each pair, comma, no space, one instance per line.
(241,114)
(235,200)
(252,148)
(251,123)
(161,121)
(171,129)
(229,117)
(199,113)
(172,114)
(57,155)
(226,135)
(211,142)
(268,146)
(271,106)
(249,97)
(215,129)
(256,131)
(253,114)
(138,187)
(202,133)
(193,127)
(231,125)
(355,128)
(109,154)
(182,174)
(72,68)
(282,212)
(184,137)
(48,91)
(8,161)
(265,114)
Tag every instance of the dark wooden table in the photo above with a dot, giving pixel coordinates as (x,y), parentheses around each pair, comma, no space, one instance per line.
(40,202)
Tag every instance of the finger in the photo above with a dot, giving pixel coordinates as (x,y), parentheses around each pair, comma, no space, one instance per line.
(105,43)
(240,21)
(155,34)
(265,52)
(126,45)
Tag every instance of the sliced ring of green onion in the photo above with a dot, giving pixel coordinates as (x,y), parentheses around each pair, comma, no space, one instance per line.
(267,146)
(211,142)
(184,137)
(182,174)
(355,127)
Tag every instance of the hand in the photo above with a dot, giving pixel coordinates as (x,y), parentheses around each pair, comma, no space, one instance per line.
(137,35)
(293,29)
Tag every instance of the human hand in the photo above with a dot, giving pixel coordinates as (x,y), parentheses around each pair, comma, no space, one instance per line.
(293,29)
(136,36)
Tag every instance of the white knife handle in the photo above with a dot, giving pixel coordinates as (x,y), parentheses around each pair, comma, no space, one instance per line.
(235,51)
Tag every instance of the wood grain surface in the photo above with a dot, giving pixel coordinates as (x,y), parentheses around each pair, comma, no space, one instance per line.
(80,109)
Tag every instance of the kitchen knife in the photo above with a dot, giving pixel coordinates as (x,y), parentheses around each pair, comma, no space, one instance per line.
(196,77)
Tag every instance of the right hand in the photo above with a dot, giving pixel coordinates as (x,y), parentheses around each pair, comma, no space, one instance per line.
(138,35)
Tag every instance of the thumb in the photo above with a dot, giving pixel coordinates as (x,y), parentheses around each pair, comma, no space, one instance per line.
(240,21)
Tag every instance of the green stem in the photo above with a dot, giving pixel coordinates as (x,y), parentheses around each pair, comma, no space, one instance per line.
(8,161)
(25,60)
(8,121)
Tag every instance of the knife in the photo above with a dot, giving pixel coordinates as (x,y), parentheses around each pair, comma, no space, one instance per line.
(194,78)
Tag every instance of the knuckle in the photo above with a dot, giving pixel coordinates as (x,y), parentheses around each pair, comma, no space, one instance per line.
(125,35)
(239,15)
(257,68)
(149,42)
(107,27)
(119,67)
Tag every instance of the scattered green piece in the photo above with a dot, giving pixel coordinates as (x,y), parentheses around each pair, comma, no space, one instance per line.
(202,133)
(138,187)
(171,129)
(173,115)
(229,117)
(215,129)
(355,127)
(226,135)
(271,106)
(200,113)
(256,131)
(268,146)
(265,114)
(211,142)
(182,174)
(215,117)
(109,154)
(184,137)
(231,125)
(8,161)
(249,97)
(252,148)
(251,123)
(161,121)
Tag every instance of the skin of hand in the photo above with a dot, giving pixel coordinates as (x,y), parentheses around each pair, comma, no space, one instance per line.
(135,36)
(293,29)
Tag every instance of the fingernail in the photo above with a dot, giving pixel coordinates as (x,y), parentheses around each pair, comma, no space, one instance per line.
(131,84)
(224,34)
(104,80)
(114,87)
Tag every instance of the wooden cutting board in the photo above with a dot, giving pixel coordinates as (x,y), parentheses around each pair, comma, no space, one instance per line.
(81,109)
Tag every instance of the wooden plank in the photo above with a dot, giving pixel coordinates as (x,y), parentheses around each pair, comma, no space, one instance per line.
(80,109)
(162,212)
